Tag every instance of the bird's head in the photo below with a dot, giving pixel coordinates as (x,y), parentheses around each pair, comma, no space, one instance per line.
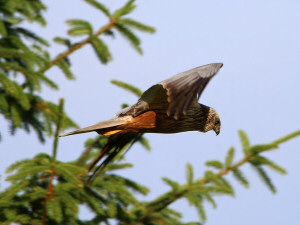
(213,121)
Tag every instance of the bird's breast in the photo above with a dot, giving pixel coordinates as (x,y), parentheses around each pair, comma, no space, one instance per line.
(192,121)
(159,122)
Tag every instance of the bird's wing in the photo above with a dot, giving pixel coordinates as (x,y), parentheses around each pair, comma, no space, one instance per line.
(183,88)
(177,93)
(115,144)
(153,98)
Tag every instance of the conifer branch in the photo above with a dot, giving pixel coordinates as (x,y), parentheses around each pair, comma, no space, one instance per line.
(7,66)
(58,125)
(54,152)
(49,192)
(171,197)
(251,156)
(87,152)
(77,46)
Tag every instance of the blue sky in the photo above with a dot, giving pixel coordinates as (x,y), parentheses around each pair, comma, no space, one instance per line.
(257,90)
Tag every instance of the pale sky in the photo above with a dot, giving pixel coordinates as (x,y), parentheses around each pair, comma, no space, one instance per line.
(257,90)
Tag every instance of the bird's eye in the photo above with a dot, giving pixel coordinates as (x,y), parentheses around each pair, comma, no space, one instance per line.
(217,122)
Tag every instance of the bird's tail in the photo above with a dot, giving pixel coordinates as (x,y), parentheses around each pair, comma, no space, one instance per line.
(108,127)
(115,144)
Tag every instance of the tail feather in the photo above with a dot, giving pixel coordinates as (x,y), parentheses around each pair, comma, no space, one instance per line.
(115,144)
(106,124)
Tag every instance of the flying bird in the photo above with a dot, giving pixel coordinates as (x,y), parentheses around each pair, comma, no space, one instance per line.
(170,106)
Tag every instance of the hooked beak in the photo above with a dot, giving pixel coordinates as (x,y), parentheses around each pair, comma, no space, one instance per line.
(217,131)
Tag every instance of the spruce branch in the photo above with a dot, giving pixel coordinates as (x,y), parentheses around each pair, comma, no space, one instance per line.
(136,91)
(58,125)
(85,154)
(286,138)
(79,45)
(54,153)
(251,156)
(48,193)
(115,21)
(12,67)
(165,200)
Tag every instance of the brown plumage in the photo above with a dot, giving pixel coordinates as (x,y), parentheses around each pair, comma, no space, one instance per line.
(170,106)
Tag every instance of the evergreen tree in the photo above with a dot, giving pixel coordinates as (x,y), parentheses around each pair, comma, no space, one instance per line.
(44,190)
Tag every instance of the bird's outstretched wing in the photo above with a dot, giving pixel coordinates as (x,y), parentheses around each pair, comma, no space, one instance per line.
(115,143)
(175,94)
(183,88)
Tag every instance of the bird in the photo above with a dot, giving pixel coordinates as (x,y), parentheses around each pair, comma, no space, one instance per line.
(171,106)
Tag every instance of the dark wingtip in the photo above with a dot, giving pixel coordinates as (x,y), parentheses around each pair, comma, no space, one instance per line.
(220,65)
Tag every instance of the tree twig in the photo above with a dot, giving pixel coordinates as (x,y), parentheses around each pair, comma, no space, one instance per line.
(79,45)
(166,201)
(58,124)
(54,152)
(49,193)
(87,151)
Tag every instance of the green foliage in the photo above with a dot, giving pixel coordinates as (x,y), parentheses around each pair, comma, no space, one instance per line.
(196,191)
(79,27)
(64,65)
(145,143)
(18,10)
(130,36)
(25,110)
(245,141)
(265,178)
(286,138)
(260,160)
(23,66)
(19,103)
(137,25)
(63,41)
(44,190)
(229,158)
(32,184)
(237,173)
(126,9)
(136,91)
(214,163)
(101,50)
(189,173)
(99,6)
(262,148)
(174,185)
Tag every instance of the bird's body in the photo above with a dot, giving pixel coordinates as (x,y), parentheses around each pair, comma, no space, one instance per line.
(157,121)
(170,106)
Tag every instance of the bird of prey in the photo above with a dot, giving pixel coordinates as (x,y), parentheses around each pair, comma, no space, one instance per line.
(170,106)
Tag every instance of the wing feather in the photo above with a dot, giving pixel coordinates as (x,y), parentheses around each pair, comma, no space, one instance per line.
(176,94)
(184,87)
